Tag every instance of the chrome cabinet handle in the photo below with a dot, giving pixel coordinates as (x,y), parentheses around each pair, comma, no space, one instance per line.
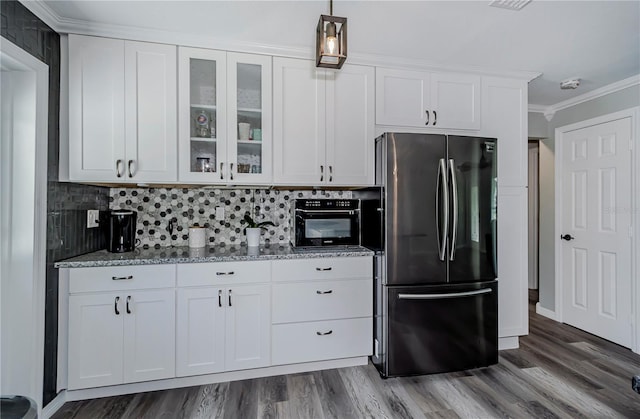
(435,118)
(324,292)
(221,174)
(324,333)
(330,173)
(219,298)
(427,123)
(321,173)
(225,273)
(230,305)
(324,269)
(454,192)
(121,278)
(231,170)
(115,306)
(442,172)
(129,168)
(118,164)
(128,301)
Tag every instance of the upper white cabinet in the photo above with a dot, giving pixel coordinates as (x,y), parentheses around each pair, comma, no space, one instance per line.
(423,99)
(225,117)
(122,111)
(323,124)
(505,118)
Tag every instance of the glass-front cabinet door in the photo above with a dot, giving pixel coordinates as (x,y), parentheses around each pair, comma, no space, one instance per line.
(225,117)
(202,115)
(249,117)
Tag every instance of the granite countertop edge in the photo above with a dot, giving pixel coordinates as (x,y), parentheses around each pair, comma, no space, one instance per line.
(102,258)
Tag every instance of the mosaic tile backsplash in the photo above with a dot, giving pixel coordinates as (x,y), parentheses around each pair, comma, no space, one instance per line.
(197,206)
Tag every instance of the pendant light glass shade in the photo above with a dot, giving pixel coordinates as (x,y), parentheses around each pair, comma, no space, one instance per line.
(331,41)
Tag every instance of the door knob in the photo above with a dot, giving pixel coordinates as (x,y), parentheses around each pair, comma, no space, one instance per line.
(567,237)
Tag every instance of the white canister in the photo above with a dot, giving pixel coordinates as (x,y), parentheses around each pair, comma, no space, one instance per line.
(197,236)
(243,131)
(253,237)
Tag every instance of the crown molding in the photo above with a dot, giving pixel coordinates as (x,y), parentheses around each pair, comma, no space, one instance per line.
(64,26)
(594,94)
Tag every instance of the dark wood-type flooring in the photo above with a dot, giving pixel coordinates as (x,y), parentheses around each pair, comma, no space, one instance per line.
(558,371)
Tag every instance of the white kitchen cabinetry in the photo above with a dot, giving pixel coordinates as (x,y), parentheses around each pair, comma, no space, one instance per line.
(122,111)
(225,117)
(505,118)
(121,335)
(425,99)
(322,309)
(224,317)
(323,124)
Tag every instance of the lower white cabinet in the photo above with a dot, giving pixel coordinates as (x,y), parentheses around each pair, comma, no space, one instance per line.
(322,309)
(223,328)
(121,337)
(316,341)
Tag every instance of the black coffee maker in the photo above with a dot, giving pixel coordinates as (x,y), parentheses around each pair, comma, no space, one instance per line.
(120,230)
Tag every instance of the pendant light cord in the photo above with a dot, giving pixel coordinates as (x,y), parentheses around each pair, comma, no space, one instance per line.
(330,7)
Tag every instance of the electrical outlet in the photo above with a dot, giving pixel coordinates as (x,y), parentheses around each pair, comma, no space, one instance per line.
(219,213)
(92,218)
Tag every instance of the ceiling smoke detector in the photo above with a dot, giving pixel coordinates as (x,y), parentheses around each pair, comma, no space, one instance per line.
(569,84)
(509,4)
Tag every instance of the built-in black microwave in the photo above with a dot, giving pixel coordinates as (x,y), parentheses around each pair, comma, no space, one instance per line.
(326,222)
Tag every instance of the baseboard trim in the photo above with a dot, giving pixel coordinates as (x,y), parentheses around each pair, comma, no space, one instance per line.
(198,380)
(510,342)
(550,314)
(54,405)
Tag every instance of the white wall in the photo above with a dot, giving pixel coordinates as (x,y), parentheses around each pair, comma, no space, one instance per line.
(617,101)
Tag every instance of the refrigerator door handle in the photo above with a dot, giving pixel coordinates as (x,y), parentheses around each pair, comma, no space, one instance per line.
(443,296)
(454,192)
(442,236)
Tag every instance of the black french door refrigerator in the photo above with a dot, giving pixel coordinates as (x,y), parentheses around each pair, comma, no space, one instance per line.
(436,294)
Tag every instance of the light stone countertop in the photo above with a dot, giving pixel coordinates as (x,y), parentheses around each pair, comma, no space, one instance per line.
(170,255)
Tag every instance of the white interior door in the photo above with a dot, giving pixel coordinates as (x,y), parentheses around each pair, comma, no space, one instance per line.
(596,207)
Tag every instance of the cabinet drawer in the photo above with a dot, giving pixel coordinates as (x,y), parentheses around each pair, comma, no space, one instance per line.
(317,341)
(322,300)
(113,278)
(202,274)
(323,268)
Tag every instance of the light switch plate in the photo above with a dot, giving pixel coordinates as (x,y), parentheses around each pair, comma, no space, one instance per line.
(92,218)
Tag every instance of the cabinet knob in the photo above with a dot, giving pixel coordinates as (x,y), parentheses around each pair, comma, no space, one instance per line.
(128,301)
(330,173)
(324,333)
(121,278)
(321,173)
(231,170)
(427,123)
(129,168)
(219,298)
(115,306)
(221,174)
(230,298)
(435,118)
(324,269)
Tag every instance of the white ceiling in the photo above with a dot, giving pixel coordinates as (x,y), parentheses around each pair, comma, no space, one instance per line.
(597,41)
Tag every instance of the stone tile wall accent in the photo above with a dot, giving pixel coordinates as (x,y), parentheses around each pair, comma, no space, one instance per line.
(187,207)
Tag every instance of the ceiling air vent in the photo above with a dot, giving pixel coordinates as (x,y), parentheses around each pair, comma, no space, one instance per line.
(509,4)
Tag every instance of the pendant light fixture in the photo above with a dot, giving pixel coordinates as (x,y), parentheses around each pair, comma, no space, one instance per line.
(331,40)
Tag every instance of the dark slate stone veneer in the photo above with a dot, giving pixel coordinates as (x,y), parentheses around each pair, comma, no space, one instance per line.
(66,202)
